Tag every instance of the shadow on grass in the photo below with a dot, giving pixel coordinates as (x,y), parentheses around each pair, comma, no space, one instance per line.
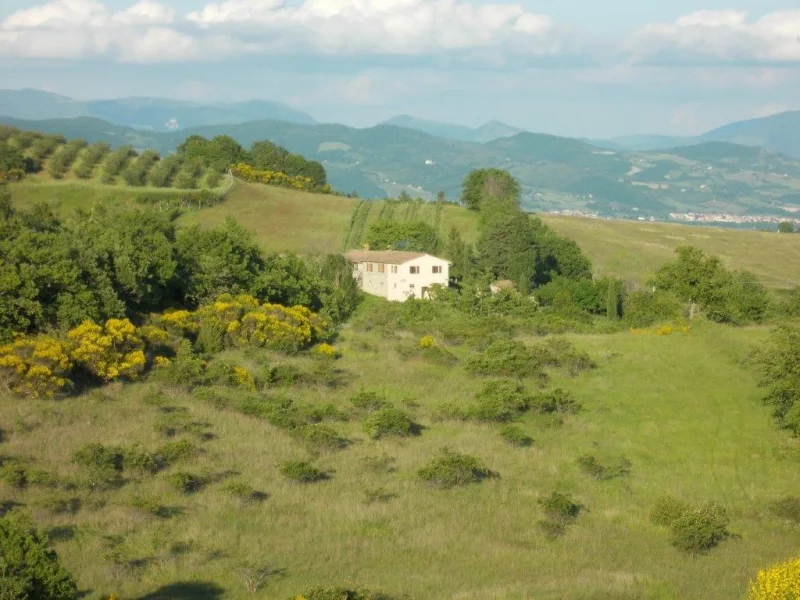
(61,533)
(186,590)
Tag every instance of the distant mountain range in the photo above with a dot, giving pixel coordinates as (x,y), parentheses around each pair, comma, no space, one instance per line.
(150,114)
(556,173)
(780,133)
(485,133)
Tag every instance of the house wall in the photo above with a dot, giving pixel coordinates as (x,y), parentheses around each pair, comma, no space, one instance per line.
(402,285)
(372,282)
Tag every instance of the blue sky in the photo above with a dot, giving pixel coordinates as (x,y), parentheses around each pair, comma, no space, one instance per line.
(566,67)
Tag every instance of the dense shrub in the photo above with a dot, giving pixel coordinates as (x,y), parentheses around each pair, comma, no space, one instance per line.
(499,402)
(699,530)
(450,469)
(506,358)
(29,568)
(560,507)
(301,471)
(414,236)
(35,367)
(667,510)
(243,491)
(778,365)
(556,401)
(516,436)
(389,422)
(725,296)
(781,582)
(643,309)
(296,182)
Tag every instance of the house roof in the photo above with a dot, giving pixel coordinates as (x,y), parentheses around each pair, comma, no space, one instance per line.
(389,257)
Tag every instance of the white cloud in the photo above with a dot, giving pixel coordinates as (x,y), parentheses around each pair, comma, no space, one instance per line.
(78,29)
(728,36)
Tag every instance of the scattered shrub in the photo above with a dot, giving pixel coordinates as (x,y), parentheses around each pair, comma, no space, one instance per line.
(150,505)
(560,507)
(244,492)
(60,503)
(451,469)
(388,422)
(787,509)
(325,351)
(185,482)
(383,464)
(667,510)
(378,495)
(370,401)
(138,459)
(515,436)
(173,452)
(555,401)
(700,530)
(320,437)
(551,529)
(340,593)
(590,466)
(101,465)
(301,471)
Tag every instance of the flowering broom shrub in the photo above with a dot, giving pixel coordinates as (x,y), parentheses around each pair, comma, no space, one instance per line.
(35,367)
(781,582)
(110,351)
(295,182)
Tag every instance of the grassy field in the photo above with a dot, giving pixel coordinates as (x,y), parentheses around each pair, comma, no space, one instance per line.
(681,408)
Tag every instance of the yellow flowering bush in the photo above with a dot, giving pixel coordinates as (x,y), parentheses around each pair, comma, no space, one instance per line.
(243,379)
(427,341)
(296,182)
(178,322)
(325,351)
(35,367)
(281,327)
(781,582)
(110,351)
(665,330)
(161,361)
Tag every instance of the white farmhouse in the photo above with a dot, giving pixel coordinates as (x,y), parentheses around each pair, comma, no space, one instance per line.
(396,275)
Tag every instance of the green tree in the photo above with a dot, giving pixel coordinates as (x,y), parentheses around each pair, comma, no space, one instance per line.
(226,259)
(484,184)
(778,364)
(506,249)
(29,569)
(613,300)
(785,227)
(338,291)
(459,253)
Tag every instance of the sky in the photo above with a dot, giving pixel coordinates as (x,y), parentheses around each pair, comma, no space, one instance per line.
(568,67)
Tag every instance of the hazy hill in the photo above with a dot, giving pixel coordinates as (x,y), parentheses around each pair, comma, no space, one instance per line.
(485,133)
(157,114)
(779,132)
(555,173)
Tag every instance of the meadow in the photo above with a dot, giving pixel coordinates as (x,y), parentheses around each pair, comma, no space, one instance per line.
(679,407)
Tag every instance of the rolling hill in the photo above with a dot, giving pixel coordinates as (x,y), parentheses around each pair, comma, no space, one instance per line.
(556,174)
(152,114)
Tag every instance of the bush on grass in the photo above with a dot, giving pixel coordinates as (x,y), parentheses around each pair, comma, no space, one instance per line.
(516,436)
(451,469)
(389,422)
(301,471)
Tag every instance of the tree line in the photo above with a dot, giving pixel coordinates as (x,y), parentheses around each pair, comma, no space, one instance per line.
(55,273)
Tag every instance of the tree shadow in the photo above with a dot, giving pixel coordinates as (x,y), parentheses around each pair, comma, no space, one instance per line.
(8,505)
(186,590)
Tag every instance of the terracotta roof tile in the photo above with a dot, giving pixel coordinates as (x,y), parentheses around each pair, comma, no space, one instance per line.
(388,257)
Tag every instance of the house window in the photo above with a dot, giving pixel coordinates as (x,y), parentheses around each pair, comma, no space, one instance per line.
(411,286)
(394,268)
(414,270)
(369,267)
(437,270)
(381,268)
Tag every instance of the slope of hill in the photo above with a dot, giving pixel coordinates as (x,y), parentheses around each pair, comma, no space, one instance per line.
(643,143)
(485,133)
(156,114)
(556,174)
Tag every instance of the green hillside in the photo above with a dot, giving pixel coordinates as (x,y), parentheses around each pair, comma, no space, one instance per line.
(557,174)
